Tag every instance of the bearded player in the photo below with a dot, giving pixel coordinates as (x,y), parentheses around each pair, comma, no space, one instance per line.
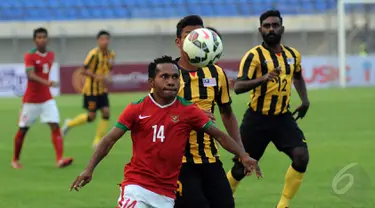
(160,125)
(38,101)
(269,70)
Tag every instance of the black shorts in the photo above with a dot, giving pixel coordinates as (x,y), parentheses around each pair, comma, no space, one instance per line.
(257,131)
(93,103)
(204,186)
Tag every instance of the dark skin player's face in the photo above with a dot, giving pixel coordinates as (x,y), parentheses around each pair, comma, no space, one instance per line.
(271,30)
(166,82)
(41,40)
(103,41)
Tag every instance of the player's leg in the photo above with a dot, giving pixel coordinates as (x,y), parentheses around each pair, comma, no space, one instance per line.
(216,186)
(29,113)
(190,191)
(50,115)
(90,104)
(291,140)
(255,137)
(101,130)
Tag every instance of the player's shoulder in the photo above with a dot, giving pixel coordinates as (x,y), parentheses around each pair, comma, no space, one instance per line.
(215,67)
(93,50)
(140,101)
(31,52)
(292,50)
(253,52)
(112,52)
(183,101)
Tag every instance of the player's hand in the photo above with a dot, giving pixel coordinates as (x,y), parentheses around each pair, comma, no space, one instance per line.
(301,110)
(83,179)
(272,75)
(210,115)
(53,84)
(250,165)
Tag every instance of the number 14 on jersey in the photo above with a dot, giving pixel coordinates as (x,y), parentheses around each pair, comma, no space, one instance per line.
(158,133)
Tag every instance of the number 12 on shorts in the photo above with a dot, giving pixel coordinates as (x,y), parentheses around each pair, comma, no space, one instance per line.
(158,133)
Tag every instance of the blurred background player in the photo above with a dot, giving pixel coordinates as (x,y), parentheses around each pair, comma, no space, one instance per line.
(269,70)
(97,67)
(202,175)
(160,122)
(37,100)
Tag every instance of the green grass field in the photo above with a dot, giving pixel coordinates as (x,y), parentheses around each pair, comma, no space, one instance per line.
(339,128)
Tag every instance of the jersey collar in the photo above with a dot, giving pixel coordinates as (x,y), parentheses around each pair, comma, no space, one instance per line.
(161,106)
(41,54)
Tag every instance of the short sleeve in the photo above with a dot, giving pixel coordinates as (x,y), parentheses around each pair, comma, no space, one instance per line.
(298,69)
(198,119)
(127,118)
(224,93)
(89,58)
(29,62)
(248,66)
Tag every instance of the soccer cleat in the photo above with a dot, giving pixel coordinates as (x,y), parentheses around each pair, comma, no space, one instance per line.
(16,164)
(65,128)
(62,163)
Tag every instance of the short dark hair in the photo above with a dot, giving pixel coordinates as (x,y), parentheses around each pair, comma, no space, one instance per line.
(190,20)
(152,69)
(102,32)
(213,29)
(270,13)
(40,30)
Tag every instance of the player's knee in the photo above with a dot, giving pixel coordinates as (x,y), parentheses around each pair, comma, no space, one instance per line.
(91,117)
(105,116)
(24,130)
(54,125)
(300,159)
(238,171)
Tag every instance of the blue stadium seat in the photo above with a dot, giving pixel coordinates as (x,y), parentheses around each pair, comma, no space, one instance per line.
(31,10)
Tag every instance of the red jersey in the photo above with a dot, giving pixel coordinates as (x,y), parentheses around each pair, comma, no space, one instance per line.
(159,135)
(41,63)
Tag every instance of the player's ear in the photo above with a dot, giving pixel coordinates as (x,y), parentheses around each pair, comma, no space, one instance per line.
(178,42)
(151,82)
(260,30)
(282,29)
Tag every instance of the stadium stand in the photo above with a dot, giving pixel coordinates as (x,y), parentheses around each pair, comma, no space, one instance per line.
(52,10)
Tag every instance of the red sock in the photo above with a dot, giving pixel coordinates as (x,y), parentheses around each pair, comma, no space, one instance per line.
(58,143)
(18,142)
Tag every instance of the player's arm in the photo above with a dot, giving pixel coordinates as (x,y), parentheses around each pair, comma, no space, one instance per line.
(31,76)
(299,82)
(227,116)
(90,58)
(124,124)
(231,146)
(300,85)
(246,80)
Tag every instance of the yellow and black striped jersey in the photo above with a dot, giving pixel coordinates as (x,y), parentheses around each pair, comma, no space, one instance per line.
(205,87)
(100,63)
(272,97)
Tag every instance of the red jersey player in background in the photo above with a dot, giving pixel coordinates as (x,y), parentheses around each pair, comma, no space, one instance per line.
(160,126)
(38,101)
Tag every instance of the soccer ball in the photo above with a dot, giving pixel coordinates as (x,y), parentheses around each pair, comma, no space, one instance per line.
(203,47)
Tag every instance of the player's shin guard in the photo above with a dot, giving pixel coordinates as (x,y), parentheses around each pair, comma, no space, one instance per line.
(101,130)
(78,120)
(18,142)
(235,175)
(293,180)
(58,143)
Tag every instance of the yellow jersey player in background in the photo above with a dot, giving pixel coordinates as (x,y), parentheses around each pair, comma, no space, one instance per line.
(268,71)
(97,68)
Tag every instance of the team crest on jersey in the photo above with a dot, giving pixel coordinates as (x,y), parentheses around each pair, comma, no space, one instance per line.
(209,82)
(175,118)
